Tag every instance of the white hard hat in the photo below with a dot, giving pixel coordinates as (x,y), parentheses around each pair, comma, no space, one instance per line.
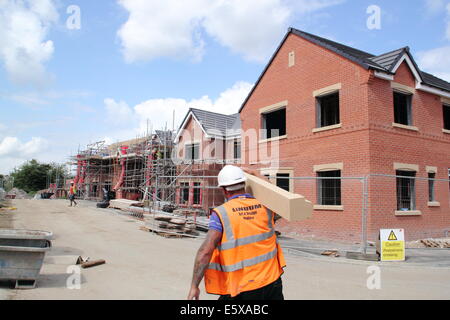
(230,175)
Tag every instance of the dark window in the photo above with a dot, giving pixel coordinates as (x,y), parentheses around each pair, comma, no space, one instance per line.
(329,190)
(192,151)
(406,193)
(196,193)
(328,110)
(402,108)
(184,192)
(282,182)
(237,150)
(431,176)
(274,123)
(446,110)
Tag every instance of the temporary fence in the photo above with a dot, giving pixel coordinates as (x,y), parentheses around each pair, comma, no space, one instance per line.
(354,209)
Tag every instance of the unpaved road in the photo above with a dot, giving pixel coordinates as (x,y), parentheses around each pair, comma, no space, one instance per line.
(141,265)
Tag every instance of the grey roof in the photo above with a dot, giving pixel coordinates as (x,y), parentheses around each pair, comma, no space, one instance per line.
(216,123)
(384,62)
(435,81)
(360,57)
(390,59)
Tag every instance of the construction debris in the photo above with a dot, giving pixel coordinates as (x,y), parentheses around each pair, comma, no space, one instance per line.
(333,253)
(16,193)
(122,203)
(92,263)
(86,263)
(435,243)
(166,223)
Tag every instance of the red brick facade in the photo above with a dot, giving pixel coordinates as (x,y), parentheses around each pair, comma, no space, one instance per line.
(202,171)
(365,143)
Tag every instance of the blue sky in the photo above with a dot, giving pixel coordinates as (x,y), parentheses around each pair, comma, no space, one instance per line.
(133,60)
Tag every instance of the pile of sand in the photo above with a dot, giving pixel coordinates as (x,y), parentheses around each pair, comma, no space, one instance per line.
(20,194)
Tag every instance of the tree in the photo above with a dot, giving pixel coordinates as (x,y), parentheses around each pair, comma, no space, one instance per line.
(33,176)
(57,174)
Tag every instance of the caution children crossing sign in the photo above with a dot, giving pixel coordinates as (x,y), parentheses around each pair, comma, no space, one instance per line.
(392,244)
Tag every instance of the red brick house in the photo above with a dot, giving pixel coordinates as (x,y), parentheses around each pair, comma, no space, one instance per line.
(341,112)
(204,143)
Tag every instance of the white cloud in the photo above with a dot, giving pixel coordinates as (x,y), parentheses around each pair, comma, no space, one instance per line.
(174,28)
(13,147)
(250,27)
(231,99)
(41,98)
(118,112)
(24,49)
(436,61)
(14,152)
(159,112)
(434,6)
(309,6)
(29,100)
(161,28)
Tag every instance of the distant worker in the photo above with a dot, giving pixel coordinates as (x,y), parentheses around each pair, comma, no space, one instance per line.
(72,192)
(240,257)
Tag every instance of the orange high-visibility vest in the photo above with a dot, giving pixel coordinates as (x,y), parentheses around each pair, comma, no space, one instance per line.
(248,256)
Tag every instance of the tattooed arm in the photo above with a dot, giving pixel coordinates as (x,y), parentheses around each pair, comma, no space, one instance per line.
(202,261)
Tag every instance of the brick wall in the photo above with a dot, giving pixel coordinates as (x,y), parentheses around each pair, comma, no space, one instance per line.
(210,149)
(365,143)
(428,146)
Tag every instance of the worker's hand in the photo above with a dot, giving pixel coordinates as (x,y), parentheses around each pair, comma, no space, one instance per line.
(194,293)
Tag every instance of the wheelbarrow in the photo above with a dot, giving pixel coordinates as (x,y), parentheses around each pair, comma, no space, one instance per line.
(22,254)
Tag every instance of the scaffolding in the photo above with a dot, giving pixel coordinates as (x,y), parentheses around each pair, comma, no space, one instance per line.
(126,168)
(147,169)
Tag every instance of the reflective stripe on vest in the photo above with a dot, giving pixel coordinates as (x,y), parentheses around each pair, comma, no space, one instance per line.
(244,263)
(233,243)
(226,223)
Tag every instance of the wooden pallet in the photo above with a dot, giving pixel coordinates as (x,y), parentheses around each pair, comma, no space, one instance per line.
(166,234)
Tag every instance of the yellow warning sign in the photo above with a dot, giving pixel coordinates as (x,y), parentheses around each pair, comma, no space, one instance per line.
(392,236)
(392,250)
(392,244)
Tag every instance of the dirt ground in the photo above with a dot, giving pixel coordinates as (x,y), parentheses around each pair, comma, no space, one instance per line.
(141,265)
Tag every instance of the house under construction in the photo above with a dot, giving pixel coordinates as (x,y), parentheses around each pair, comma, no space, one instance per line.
(148,169)
(128,168)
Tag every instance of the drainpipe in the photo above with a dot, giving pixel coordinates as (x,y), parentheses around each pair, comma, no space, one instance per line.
(123,161)
(79,164)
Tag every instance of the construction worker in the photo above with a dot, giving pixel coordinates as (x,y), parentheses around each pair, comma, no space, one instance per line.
(240,257)
(72,192)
